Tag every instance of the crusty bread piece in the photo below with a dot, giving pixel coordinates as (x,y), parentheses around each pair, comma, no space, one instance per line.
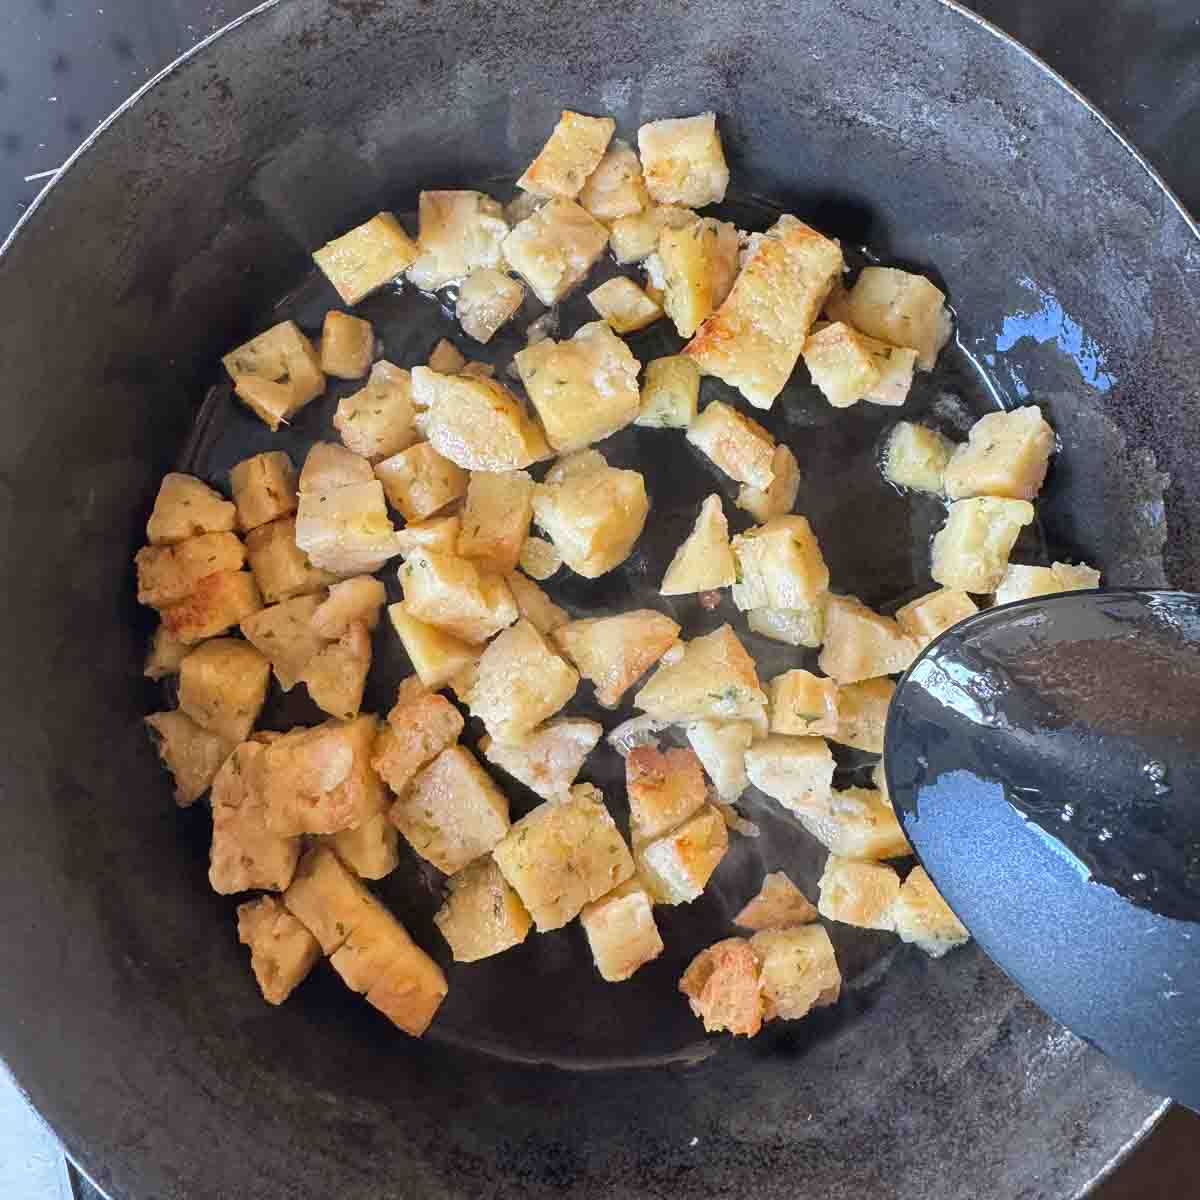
(799,971)
(922,917)
(778,905)
(282,951)
(621,931)
(858,893)
(723,987)
(482,914)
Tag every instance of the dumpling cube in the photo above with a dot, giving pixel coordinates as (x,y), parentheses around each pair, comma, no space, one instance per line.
(371,850)
(623,305)
(282,951)
(779,497)
(683,161)
(742,448)
(281,569)
(277,373)
(796,771)
(264,488)
(482,914)
(695,266)
(555,248)
(862,710)
(453,594)
(970,552)
(347,530)
(676,867)
(486,301)
(1023,583)
(902,309)
(916,458)
(185,507)
(932,614)
(168,574)
(721,747)
(534,605)
(419,482)
(616,187)
(780,566)
(621,931)
(792,626)
(857,823)
(799,971)
(858,893)
(369,256)
(1006,454)
(574,150)
(635,237)
(436,656)
(704,561)
(779,904)
(547,760)
(222,687)
(191,754)
(284,633)
(217,603)
(460,232)
(336,675)
(723,987)
(665,789)
(347,345)
(848,367)
(670,393)
(803,703)
(714,679)
(615,652)
(495,520)
(378,421)
(860,644)
(922,917)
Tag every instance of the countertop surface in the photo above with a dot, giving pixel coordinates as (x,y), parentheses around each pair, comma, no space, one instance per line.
(65,64)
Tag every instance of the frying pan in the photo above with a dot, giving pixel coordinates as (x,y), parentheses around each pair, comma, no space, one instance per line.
(126,1009)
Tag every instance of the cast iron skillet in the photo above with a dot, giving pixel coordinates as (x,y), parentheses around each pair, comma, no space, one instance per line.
(126,1009)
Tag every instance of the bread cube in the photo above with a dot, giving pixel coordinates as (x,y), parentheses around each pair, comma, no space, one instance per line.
(547,760)
(495,520)
(538,558)
(779,904)
(327,899)
(562,855)
(922,917)
(439,534)
(860,644)
(614,652)
(665,789)
(583,389)
(453,594)
(857,823)
(284,633)
(337,674)
(521,683)
(357,599)
(796,771)
(593,513)
(677,866)
(367,257)
(754,338)
(420,726)
(281,569)
(970,552)
(460,232)
(436,655)
(347,345)
(848,367)
(185,508)
(714,679)
(902,309)
(704,561)
(721,747)
(168,574)
(799,971)
(780,565)
(445,359)
(378,421)
(621,931)
(486,301)
(723,988)
(779,497)
(264,488)
(803,703)
(858,893)
(793,626)
(216,603)
(346,531)
(328,467)
(191,754)
(635,237)
(742,448)
(555,248)
(222,687)
(683,161)
(534,605)
(862,710)
(1006,454)
(370,850)
(927,616)
(616,187)
(452,813)
(1023,583)
(477,423)
(623,305)
(572,153)
(670,393)
(420,482)
(695,266)
(282,951)
(916,458)
(482,915)
(276,374)
(165,656)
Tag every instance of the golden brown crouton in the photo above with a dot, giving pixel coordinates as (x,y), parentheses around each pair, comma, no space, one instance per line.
(222,687)
(858,893)
(217,603)
(186,507)
(548,759)
(621,931)
(285,634)
(862,714)
(281,569)
(922,917)
(420,726)
(571,154)
(665,789)
(778,905)
(168,574)
(264,488)
(337,674)
(191,754)
(615,652)
(482,915)
(676,867)
(860,644)
(799,971)
(534,605)
(282,951)
(723,989)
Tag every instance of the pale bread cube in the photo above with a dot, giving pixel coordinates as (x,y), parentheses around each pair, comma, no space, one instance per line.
(723,988)
(676,867)
(742,448)
(276,373)
(481,915)
(168,574)
(623,305)
(539,559)
(460,232)
(547,760)
(347,345)
(721,747)
(799,971)
(371,850)
(419,482)
(593,513)
(932,614)
(357,599)
(860,644)
(222,687)
(329,467)
(521,683)
(862,710)
(378,421)
(902,309)
(185,507)
(281,569)
(683,162)
(753,340)
(621,931)
(282,951)
(452,813)
(347,530)
(217,603)
(455,595)
(714,679)
(583,389)
(327,899)
(670,393)
(695,267)
(285,635)
(848,367)
(264,489)
(487,300)
(792,626)
(970,552)
(1023,583)
(780,565)
(534,605)
(779,904)
(857,823)
(191,754)
(436,656)
(779,497)
(704,561)
(562,855)
(615,652)
(337,674)
(419,727)
(495,519)
(438,533)
(922,917)
(573,151)
(446,359)
(555,248)
(665,789)
(803,703)
(1006,454)
(165,656)
(635,237)
(916,458)
(616,187)
(796,771)
(367,257)
(858,893)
